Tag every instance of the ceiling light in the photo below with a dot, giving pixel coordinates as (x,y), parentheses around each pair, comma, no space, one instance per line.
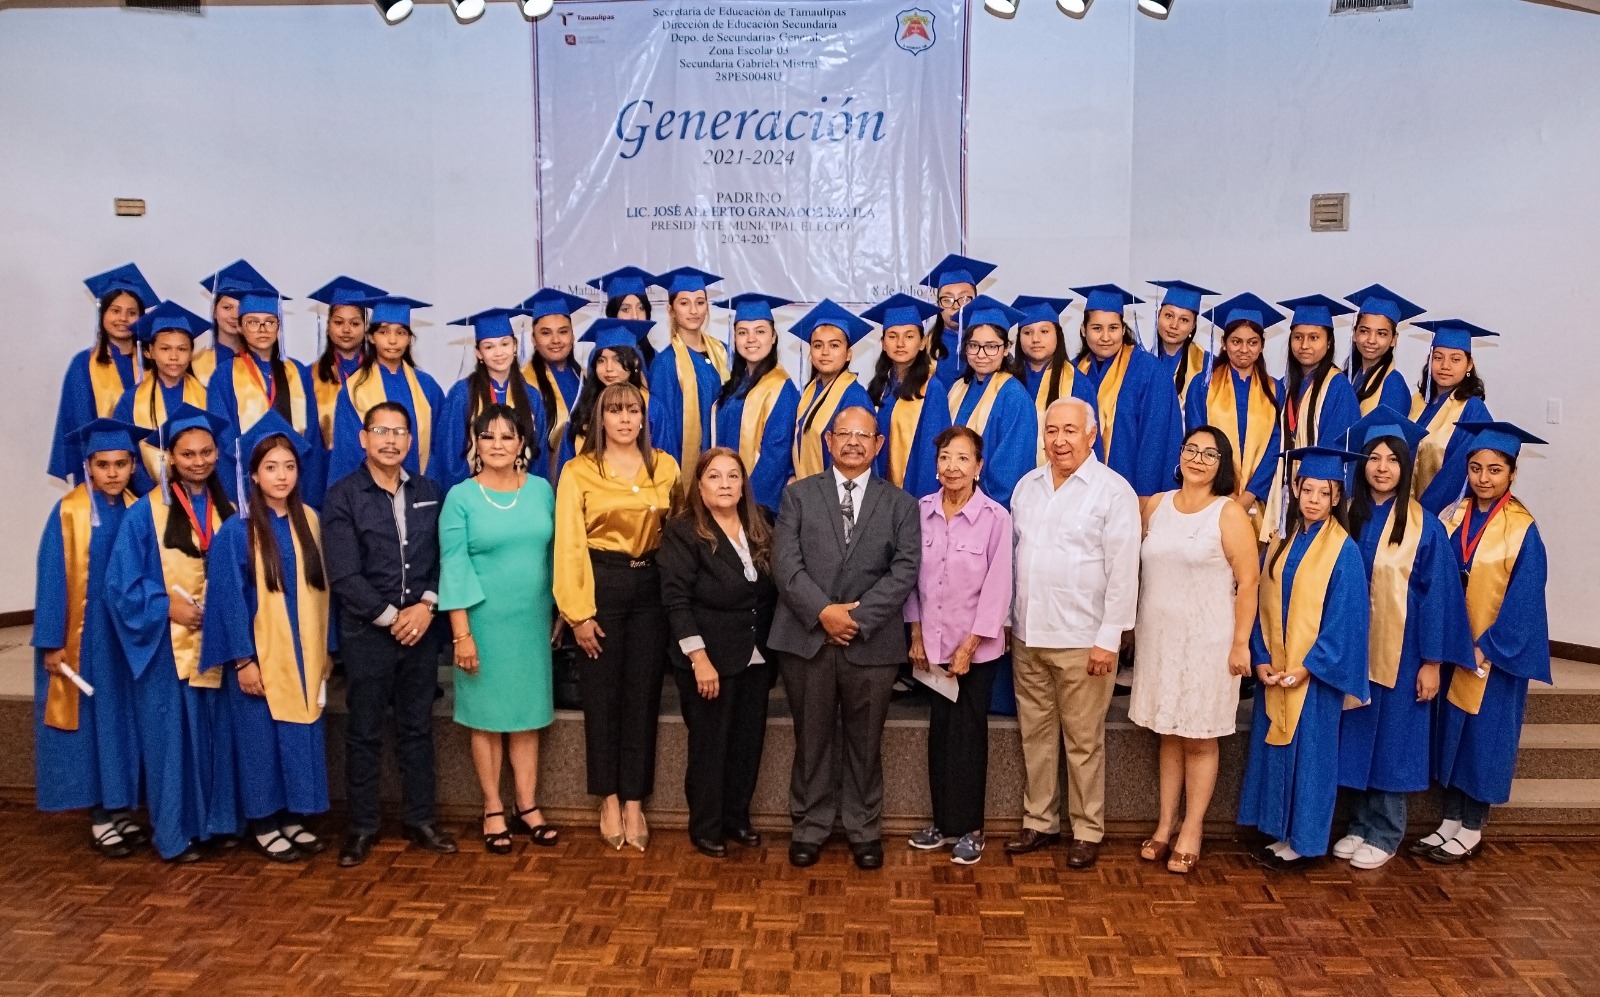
(467,10)
(1074,8)
(1005,8)
(394,11)
(536,9)
(1156,8)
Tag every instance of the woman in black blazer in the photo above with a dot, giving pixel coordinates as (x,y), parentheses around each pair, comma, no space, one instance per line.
(716,585)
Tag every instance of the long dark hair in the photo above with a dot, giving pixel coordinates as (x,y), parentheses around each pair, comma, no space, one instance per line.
(497,412)
(688,504)
(369,352)
(935,345)
(1258,372)
(280,376)
(742,377)
(1294,380)
(179,534)
(909,390)
(1083,337)
(102,339)
(1297,522)
(262,540)
(480,399)
(1471,386)
(1372,378)
(614,305)
(1018,363)
(615,396)
(326,366)
(1181,376)
(1227,479)
(589,392)
(1361,495)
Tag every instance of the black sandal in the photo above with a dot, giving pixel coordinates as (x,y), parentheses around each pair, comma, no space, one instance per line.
(110,843)
(542,834)
(263,843)
(303,838)
(498,843)
(133,832)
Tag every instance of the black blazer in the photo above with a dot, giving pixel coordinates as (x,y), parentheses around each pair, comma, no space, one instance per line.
(706,594)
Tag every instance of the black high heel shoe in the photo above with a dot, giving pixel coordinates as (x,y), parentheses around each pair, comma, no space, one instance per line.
(542,833)
(498,843)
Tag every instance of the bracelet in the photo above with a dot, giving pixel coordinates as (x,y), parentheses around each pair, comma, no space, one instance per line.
(465,636)
(241,665)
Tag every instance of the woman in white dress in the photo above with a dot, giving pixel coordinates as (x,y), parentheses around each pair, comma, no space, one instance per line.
(1197,603)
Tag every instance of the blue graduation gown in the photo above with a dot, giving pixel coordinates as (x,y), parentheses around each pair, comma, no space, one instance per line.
(568,383)
(1149,423)
(947,370)
(448,465)
(666,400)
(1386,744)
(96,765)
(1450,484)
(347,454)
(281,766)
(76,407)
(1477,753)
(1338,408)
(776,463)
(1289,790)
(1195,414)
(922,475)
(185,739)
(1010,438)
(221,401)
(1169,363)
(1394,392)
(854,396)
(1081,390)
(172,398)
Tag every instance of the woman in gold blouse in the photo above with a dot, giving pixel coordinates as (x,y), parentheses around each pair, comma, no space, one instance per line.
(609,506)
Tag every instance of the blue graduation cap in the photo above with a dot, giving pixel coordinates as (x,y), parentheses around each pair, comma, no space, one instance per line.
(615,333)
(828,313)
(343,290)
(124,278)
(1502,437)
(984,310)
(1315,309)
(390,308)
(1035,309)
(1382,422)
(1375,299)
(1182,294)
(233,278)
(269,425)
(1245,307)
(1322,463)
(549,301)
(753,307)
(259,301)
(622,282)
(684,279)
(491,323)
(1105,298)
(900,309)
(956,269)
(1454,334)
(168,316)
(186,417)
(100,435)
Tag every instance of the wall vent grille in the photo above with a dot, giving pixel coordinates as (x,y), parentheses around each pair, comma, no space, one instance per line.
(1368,6)
(1330,212)
(165,6)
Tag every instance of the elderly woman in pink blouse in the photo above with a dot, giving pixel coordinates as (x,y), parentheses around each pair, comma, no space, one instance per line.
(958,615)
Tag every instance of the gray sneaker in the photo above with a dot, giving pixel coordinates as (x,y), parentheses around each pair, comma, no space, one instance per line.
(969,849)
(930,839)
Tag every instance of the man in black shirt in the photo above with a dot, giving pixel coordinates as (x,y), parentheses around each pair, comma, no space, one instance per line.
(380,537)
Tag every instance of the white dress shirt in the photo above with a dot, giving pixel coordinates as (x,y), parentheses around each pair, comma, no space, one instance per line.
(855,495)
(1077,558)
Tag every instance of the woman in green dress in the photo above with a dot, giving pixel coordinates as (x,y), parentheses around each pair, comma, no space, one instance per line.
(495,539)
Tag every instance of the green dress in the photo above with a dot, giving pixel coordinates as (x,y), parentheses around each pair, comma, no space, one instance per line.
(495,562)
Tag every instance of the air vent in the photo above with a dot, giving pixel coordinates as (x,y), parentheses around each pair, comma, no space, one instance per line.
(1368,6)
(1330,212)
(165,6)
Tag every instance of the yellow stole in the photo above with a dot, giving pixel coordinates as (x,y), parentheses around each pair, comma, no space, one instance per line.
(203,364)
(288,699)
(1196,365)
(1040,394)
(689,384)
(327,405)
(1430,452)
(978,421)
(179,570)
(252,399)
(556,422)
(106,384)
(367,391)
(1222,412)
(903,434)
(1299,438)
(194,393)
(1283,706)
(758,403)
(808,442)
(1391,596)
(1368,404)
(1110,388)
(1486,587)
(77,525)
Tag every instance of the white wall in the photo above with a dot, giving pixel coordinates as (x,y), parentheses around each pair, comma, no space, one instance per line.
(316,141)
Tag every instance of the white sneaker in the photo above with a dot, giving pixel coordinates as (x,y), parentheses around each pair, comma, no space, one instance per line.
(1369,857)
(1345,848)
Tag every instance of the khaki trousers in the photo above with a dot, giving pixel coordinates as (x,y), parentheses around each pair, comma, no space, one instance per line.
(1058,699)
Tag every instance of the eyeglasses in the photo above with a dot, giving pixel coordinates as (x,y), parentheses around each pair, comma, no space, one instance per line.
(853,435)
(986,349)
(254,324)
(954,301)
(384,432)
(1206,457)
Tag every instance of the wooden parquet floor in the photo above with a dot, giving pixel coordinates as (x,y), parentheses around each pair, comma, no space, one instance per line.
(581,919)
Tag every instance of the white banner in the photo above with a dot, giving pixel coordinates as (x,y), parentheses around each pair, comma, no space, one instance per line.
(807,150)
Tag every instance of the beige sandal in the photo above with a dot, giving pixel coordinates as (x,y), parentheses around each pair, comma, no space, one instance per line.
(1183,863)
(1154,851)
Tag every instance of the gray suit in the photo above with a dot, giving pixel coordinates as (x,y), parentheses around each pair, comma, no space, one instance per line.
(833,689)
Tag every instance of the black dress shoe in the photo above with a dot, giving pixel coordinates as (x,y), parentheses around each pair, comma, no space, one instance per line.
(743,836)
(1029,840)
(190,854)
(802,854)
(868,854)
(427,836)
(110,844)
(356,847)
(709,848)
(1444,857)
(224,842)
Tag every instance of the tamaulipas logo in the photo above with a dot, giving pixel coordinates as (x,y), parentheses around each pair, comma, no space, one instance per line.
(913,30)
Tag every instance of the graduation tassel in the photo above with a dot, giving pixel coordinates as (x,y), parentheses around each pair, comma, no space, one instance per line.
(238,481)
(94,507)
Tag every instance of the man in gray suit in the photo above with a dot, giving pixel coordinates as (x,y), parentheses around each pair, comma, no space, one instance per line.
(845,558)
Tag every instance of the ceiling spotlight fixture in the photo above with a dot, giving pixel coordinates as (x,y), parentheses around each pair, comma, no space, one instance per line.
(394,11)
(1074,8)
(1156,8)
(535,9)
(467,10)
(1005,8)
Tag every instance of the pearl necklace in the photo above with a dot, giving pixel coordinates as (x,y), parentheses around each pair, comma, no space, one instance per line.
(485,493)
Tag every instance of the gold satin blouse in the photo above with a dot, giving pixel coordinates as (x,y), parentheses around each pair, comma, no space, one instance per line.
(596,511)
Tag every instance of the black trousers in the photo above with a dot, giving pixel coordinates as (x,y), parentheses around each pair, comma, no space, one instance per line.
(381,673)
(839,711)
(958,752)
(726,736)
(622,688)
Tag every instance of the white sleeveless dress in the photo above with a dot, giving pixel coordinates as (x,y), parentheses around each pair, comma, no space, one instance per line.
(1181,683)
